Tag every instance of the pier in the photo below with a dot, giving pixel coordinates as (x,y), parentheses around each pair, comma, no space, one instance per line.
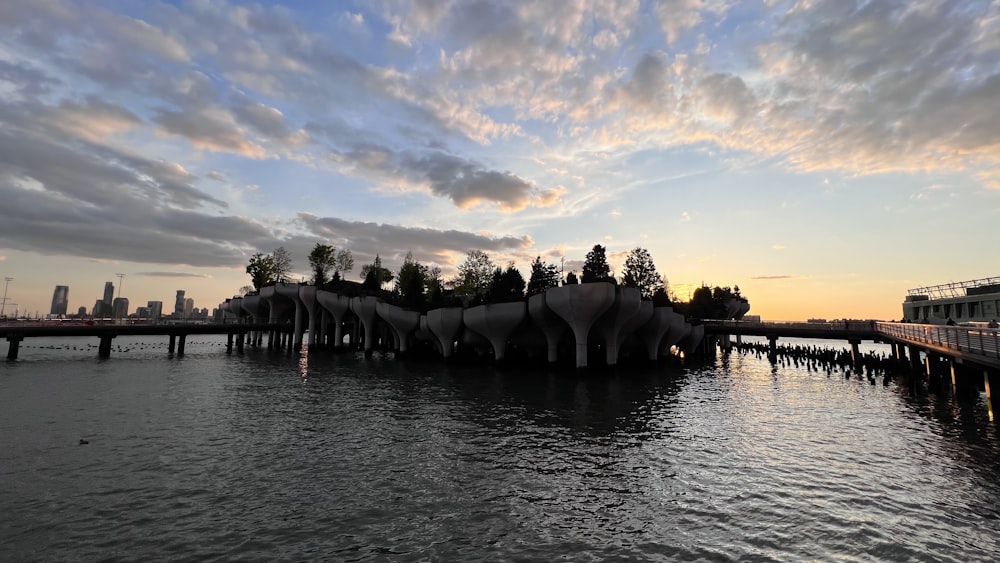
(15,333)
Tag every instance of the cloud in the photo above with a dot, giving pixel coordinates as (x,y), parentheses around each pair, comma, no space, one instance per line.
(773,277)
(777,247)
(169,275)
(427,244)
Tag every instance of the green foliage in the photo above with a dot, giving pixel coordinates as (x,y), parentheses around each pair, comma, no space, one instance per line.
(475,274)
(375,275)
(343,263)
(596,267)
(640,273)
(507,285)
(282,263)
(543,276)
(262,270)
(410,282)
(321,261)
(709,303)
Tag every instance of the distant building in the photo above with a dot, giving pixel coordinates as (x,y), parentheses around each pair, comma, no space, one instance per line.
(109,294)
(119,308)
(179,304)
(973,301)
(188,308)
(81,312)
(155,310)
(98,310)
(60,300)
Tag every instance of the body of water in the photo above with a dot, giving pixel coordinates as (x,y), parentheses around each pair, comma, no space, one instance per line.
(266,456)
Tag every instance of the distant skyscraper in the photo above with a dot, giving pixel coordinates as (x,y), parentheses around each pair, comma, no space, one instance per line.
(109,294)
(98,310)
(155,310)
(179,304)
(60,300)
(81,312)
(188,307)
(119,309)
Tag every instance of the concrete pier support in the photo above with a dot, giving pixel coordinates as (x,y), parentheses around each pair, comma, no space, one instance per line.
(364,308)
(104,348)
(654,330)
(914,358)
(307,296)
(639,319)
(338,306)
(14,344)
(551,325)
(445,324)
(610,324)
(180,344)
(580,306)
(402,322)
(172,344)
(495,322)
(229,343)
(855,351)
(239,343)
(772,347)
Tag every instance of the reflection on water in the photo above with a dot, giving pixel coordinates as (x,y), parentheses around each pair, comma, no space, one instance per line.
(322,456)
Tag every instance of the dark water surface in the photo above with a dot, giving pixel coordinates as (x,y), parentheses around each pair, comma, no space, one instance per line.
(334,457)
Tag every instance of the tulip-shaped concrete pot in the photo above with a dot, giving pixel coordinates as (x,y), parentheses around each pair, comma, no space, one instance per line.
(278,305)
(338,306)
(694,339)
(495,322)
(403,322)
(610,324)
(631,326)
(236,307)
(364,308)
(551,325)
(445,324)
(653,331)
(580,306)
(679,329)
(307,295)
(291,292)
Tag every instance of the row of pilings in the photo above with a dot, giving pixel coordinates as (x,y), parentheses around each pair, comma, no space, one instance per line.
(598,321)
(917,365)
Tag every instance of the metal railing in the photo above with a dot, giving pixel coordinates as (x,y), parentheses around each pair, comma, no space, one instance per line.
(972,340)
(857,326)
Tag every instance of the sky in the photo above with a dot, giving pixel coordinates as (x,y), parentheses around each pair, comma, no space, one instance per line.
(823,155)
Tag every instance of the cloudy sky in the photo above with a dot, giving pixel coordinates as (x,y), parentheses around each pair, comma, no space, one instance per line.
(824,155)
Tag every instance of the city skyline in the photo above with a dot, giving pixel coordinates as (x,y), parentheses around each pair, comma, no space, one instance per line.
(824,156)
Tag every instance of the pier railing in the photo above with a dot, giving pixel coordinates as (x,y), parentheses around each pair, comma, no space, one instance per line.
(976,341)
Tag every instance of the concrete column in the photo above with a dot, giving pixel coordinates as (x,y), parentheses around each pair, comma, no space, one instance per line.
(104,349)
(229,343)
(172,344)
(15,345)
(239,343)
(307,295)
(180,344)
(364,308)
(445,324)
(496,322)
(580,306)
(772,347)
(654,330)
(403,322)
(954,386)
(550,324)
(338,306)
(855,351)
(914,358)
(927,362)
(611,323)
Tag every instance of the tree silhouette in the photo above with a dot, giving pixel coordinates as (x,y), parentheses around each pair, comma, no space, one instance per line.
(282,263)
(543,276)
(342,263)
(595,267)
(507,285)
(571,278)
(321,260)
(640,273)
(375,275)
(410,282)
(475,274)
(262,270)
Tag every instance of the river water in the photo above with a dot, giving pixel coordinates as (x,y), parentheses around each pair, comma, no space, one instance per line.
(266,456)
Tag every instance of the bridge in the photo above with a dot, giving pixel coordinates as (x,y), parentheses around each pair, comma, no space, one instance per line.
(16,332)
